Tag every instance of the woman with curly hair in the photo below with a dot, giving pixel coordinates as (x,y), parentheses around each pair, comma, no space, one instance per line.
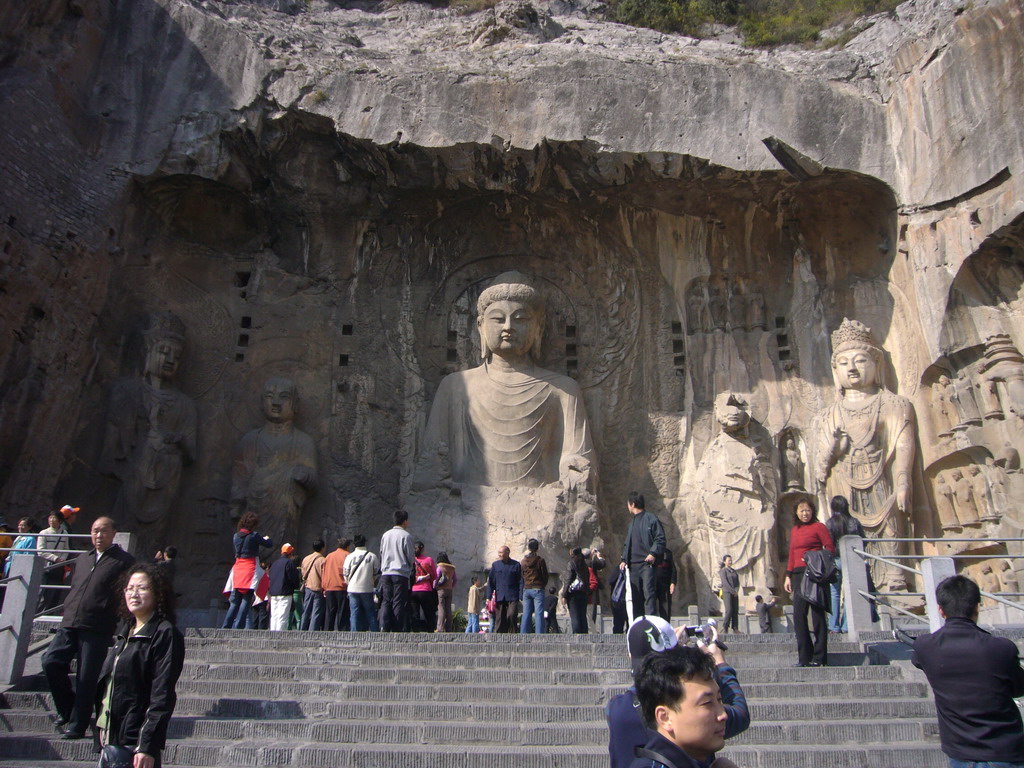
(140,672)
(247,543)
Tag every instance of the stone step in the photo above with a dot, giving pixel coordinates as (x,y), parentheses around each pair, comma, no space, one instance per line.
(287,695)
(31,720)
(391,675)
(412,643)
(911,755)
(442,659)
(523,733)
(199,752)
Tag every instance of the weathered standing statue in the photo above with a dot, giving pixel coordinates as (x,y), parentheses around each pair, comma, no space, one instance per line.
(865,448)
(506,422)
(151,434)
(738,484)
(792,465)
(275,466)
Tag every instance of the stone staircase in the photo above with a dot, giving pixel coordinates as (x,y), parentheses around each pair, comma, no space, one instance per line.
(249,698)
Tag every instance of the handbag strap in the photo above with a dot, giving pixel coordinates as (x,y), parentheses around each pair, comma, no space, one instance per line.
(652,755)
(359,565)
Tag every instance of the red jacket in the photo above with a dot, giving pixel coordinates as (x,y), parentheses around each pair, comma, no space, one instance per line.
(804,539)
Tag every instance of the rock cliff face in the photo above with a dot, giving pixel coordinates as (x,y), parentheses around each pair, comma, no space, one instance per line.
(319,191)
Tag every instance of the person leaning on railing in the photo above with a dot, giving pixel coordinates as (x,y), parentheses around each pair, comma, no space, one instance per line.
(53,546)
(25,544)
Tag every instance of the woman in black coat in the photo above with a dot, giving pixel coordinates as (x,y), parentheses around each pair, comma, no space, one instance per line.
(576,590)
(140,672)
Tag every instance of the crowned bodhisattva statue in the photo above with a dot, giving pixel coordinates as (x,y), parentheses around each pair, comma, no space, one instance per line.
(866,445)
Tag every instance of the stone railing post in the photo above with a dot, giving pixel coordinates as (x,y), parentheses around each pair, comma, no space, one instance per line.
(18,614)
(125,541)
(935,569)
(855,581)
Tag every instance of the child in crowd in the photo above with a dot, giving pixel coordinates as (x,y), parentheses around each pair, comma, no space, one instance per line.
(764,613)
(475,603)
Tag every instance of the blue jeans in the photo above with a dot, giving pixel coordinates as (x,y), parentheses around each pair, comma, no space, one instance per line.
(362,612)
(533,603)
(837,620)
(238,609)
(954,763)
(312,610)
(473,623)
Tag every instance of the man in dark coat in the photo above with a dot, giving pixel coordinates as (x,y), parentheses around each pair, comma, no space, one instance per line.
(90,615)
(975,677)
(642,551)
(505,583)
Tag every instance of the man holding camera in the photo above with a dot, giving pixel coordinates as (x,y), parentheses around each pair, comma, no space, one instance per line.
(652,635)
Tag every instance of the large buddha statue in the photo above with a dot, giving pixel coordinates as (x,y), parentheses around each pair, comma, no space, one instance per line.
(507,422)
(865,448)
(275,467)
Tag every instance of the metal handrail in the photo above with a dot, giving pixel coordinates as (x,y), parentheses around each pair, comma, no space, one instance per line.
(943,540)
(891,607)
(887,561)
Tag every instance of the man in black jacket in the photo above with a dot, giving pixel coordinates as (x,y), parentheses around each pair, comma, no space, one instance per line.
(975,677)
(642,551)
(90,614)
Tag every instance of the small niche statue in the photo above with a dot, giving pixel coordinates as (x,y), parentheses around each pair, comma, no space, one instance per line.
(151,434)
(275,468)
(792,464)
(866,445)
(507,422)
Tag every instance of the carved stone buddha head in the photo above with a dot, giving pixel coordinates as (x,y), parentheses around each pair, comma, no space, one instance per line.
(510,318)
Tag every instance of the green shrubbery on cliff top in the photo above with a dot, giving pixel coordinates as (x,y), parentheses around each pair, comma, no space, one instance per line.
(760,22)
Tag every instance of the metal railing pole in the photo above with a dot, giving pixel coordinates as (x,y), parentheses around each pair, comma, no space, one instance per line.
(935,569)
(855,583)
(18,614)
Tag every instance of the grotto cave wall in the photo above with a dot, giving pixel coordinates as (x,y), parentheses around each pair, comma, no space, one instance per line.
(322,195)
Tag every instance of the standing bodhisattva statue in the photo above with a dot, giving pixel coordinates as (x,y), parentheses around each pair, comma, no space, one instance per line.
(506,422)
(275,466)
(151,435)
(866,446)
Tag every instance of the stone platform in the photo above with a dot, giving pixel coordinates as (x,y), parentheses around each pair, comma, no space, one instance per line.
(251,698)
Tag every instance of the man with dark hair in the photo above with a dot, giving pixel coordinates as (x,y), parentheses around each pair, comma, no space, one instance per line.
(312,572)
(626,730)
(535,579)
(362,570)
(680,702)
(641,553)
(975,677)
(90,614)
(336,588)
(665,579)
(397,561)
(166,560)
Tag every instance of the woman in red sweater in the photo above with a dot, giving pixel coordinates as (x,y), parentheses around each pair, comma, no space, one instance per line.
(807,535)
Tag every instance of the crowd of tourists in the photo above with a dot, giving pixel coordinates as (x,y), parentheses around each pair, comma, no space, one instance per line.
(119,643)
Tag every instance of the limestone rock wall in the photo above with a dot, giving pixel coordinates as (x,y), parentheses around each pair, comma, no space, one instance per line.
(317,193)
